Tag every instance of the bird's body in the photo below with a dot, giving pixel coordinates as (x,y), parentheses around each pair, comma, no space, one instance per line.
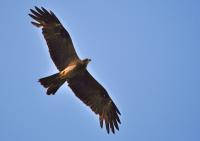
(73,70)
(53,82)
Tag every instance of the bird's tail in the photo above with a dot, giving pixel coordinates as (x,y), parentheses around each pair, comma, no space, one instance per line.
(52,83)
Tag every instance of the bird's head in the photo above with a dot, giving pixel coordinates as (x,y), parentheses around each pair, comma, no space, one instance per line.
(86,61)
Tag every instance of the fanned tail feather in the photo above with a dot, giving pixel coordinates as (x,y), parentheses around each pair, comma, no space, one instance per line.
(52,83)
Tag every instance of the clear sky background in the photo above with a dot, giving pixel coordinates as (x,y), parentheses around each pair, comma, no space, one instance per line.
(146,53)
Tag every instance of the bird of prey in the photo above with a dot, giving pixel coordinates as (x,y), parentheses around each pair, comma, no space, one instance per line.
(73,70)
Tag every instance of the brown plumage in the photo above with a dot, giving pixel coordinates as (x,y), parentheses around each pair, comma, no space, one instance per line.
(73,70)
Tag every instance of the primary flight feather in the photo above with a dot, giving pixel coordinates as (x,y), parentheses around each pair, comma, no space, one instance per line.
(73,70)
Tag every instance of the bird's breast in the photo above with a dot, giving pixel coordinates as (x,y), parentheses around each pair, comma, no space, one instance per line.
(71,71)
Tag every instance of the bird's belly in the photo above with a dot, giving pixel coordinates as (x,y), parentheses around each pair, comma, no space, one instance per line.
(70,71)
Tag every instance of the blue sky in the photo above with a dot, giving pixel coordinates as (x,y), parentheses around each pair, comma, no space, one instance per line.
(144,52)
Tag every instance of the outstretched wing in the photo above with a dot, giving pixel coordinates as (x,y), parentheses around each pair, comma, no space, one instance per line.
(58,39)
(87,89)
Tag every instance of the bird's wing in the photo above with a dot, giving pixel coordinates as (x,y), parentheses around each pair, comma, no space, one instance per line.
(58,39)
(93,94)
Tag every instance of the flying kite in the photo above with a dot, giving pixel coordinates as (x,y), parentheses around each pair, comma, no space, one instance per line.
(73,70)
